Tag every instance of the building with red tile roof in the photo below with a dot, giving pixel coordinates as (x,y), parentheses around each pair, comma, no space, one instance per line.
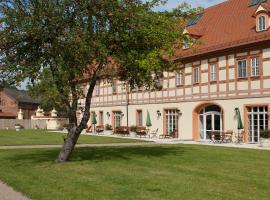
(221,88)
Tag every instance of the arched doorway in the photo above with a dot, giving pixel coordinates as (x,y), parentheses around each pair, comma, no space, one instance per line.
(207,118)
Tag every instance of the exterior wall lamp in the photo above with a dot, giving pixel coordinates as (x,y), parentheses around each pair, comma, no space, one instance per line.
(158,113)
(179,112)
(122,114)
(108,115)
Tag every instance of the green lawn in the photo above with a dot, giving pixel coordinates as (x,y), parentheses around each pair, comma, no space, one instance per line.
(150,172)
(35,137)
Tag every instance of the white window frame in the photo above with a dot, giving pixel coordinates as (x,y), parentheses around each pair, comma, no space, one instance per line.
(179,78)
(255,67)
(254,130)
(262,23)
(242,69)
(213,72)
(140,118)
(171,121)
(101,118)
(196,78)
(117,119)
(186,45)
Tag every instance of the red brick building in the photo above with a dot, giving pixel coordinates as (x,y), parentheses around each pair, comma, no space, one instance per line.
(12,100)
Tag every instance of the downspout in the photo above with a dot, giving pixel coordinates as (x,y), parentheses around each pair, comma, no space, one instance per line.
(127,97)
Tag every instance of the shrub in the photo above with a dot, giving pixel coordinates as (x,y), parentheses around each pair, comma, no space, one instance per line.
(21,126)
(108,127)
(265,133)
(133,128)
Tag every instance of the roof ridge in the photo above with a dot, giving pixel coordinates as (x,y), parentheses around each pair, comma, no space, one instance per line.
(219,4)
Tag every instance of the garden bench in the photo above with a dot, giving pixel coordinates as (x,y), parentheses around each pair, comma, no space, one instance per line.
(100,129)
(121,130)
(141,131)
(168,135)
(89,129)
(221,137)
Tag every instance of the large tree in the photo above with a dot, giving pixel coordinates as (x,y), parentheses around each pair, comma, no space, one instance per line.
(94,39)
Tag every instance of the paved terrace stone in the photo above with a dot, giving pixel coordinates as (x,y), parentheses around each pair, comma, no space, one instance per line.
(7,193)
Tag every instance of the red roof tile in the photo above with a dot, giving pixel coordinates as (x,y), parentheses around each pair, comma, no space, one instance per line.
(7,114)
(225,25)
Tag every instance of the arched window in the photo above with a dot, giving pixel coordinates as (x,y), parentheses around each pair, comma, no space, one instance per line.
(261,23)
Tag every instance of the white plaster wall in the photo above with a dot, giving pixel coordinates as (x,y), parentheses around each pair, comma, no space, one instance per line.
(204,77)
(222,61)
(213,88)
(213,60)
(242,54)
(231,60)
(172,83)
(180,92)
(196,90)
(255,85)
(188,91)
(188,80)
(188,68)
(242,85)
(231,74)
(266,68)
(266,53)
(222,87)
(204,64)
(222,75)
(204,89)
(231,86)
(186,120)
(266,83)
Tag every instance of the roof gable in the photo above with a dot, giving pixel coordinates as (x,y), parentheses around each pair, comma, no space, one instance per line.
(225,25)
(19,95)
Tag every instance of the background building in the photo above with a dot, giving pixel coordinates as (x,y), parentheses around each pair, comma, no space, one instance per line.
(12,100)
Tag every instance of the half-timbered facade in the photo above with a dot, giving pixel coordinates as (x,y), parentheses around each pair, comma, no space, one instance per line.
(227,68)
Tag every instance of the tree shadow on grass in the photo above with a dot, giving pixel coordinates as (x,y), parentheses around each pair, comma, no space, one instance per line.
(97,154)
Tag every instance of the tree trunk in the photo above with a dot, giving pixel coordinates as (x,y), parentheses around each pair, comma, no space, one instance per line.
(69,145)
(75,130)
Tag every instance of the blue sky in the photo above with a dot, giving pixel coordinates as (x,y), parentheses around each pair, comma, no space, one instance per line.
(194,3)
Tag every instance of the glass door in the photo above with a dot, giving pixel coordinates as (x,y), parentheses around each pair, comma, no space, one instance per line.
(172,122)
(117,119)
(258,121)
(210,119)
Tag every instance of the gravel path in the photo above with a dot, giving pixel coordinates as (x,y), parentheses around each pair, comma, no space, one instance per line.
(7,193)
(77,146)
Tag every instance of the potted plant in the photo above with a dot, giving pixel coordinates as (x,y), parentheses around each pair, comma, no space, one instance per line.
(265,138)
(108,129)
(132,130)
(17,127)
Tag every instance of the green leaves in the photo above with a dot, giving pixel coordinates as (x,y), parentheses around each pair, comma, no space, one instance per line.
(66,38)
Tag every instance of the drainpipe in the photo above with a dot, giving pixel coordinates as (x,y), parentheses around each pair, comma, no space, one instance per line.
(127,97)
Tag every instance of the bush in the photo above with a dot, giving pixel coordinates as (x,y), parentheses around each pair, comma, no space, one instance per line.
(133,128)
(21,126)
(265,133)
(108,127)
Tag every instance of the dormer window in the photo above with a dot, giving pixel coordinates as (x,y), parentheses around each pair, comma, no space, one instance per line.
(186,45)
(262,18)
(261,23)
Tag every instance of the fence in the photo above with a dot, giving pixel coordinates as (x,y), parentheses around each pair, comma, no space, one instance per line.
(26,123)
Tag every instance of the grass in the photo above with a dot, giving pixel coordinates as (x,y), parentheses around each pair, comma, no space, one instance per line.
(149,172)
(36,137)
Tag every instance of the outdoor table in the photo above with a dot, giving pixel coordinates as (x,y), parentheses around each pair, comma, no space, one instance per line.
(221,137)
